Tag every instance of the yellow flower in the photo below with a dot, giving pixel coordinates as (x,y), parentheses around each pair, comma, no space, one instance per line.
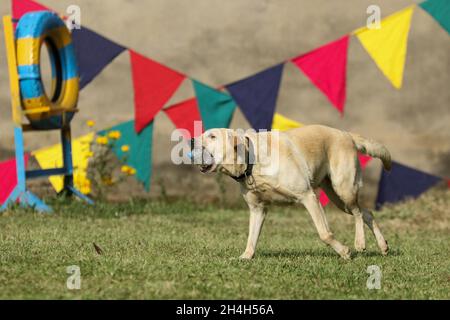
(125,148)
(90,123)
(114,135)
(128,170)
(102,140)
(86,186)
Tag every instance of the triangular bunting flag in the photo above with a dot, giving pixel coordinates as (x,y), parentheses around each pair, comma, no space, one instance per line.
(257,96)
(51,157)
(154,84)
(403,182)
(282,123)
(138,149)
(387,46)
(323,198)
(363,161)
(93,53)
(216,108)
(184,115)
(8,177)
(21,7)
(326,67)
(439,10)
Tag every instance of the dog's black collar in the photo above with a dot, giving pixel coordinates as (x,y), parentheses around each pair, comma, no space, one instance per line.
(249,160)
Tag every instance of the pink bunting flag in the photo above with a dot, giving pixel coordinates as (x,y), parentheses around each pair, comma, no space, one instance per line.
(21,7)
(8,177)
(154,84)
(323,198)
(184,115)
(326,67)
(363,161)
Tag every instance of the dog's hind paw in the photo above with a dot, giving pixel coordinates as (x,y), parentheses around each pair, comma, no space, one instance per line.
(384,249)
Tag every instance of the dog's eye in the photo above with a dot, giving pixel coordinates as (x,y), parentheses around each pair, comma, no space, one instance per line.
(212,137)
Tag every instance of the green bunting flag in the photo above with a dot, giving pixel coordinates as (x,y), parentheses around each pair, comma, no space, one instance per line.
(135,148)
(439,10)
(216,108)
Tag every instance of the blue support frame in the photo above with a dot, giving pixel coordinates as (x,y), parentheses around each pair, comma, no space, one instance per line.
(66,142)
(24,197)
(20,193)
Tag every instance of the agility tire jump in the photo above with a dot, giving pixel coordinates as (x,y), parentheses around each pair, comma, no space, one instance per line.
(46,112)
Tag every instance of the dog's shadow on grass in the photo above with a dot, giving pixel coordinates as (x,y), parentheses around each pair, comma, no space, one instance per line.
(292,254)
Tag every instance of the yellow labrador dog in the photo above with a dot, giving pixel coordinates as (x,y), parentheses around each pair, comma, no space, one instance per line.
(289,167)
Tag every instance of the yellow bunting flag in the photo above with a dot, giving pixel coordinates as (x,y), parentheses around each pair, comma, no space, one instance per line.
(387,45)
(282,123)
(51,157)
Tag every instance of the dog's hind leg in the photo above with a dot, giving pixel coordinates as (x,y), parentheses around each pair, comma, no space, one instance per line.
(312,204)
(369,220)
(352,208)
(360,238)
(329,191)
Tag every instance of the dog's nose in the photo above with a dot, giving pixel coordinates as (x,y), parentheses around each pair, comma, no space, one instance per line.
(192,144)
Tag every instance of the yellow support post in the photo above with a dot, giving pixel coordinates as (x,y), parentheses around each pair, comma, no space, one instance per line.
(12,67)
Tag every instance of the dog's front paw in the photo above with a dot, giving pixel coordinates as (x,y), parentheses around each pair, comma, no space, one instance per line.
(246,256)
(345,253)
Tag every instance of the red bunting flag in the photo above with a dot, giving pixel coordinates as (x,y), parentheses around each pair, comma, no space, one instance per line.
(154,84)
(323,198)
(326,67)
(21,7)
(8,177)
(184,115)
(363,161)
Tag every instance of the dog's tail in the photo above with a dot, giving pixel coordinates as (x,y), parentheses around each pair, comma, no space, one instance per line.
(372,148)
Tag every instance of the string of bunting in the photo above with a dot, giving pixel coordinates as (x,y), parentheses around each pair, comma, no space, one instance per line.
(326,67)
(154,84)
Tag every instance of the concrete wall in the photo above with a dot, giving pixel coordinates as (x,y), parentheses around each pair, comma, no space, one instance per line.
(219,42)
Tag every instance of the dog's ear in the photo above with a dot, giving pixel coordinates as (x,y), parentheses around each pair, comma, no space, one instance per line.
(240,146)
(235,141)
(234,153)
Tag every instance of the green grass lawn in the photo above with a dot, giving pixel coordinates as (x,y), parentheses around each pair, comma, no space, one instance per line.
(155,250)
